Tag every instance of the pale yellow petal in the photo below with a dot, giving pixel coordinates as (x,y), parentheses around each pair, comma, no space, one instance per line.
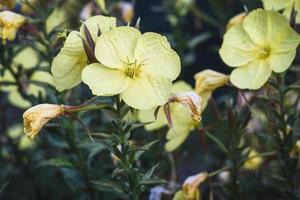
(104,81)
(17,100)
(7,77)
(280,62)
(42,77)
(148,116)
(98,23)
(275,4)
(68,64)
(181,86)
(251,76)
(58,18)
(147,92)
(237,48)
(116,47)
(156,56)
(27,57)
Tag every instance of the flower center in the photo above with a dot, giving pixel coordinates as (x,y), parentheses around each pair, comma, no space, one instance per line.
(132,70)
(264,52)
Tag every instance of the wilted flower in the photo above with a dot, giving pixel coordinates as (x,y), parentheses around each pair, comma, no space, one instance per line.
(36,117)
(139,67)
(262,43)
(127,11)
(206,82)
(236,19)
(10,23)
(191,101)
(254,160)
(181,119)
(285,5)
(67,66)
(190,188)
(9,4)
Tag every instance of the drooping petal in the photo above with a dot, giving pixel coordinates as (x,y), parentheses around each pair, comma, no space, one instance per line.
(104,81)
(280,62)
(98,23)
(116,47)
(147,92)
(251,76)
(68,64)
(237,48)
(157,57)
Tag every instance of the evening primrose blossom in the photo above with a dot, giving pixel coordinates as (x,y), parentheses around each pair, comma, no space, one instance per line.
(182,121)
(138,67)
(67,66)
(10,23)
(262,43)
(285,5)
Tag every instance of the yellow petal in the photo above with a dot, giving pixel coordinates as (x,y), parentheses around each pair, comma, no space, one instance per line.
(148,116)
(275,4)
(154,52)
(98,22)
(7,76)
(27,57)
(57,18)
(147,92)
(17,100)
(181,86)
(237,48)
(40,76)
(104,81)
(251,76)
(68,64)
(116,47)
(279,62)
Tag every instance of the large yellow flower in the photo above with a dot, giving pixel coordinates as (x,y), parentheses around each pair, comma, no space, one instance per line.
(285,5)
(139,67)
(14,96)
(181,119)
(67,66)
(262,43)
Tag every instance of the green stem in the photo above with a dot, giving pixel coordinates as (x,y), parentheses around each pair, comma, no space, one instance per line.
(217,141)
(85,108)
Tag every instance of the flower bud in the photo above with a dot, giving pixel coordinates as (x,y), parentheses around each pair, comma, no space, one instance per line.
(254,160)
(36,117)
(10,23)
(236,19)
(127,11)
(191,101)
(209,80)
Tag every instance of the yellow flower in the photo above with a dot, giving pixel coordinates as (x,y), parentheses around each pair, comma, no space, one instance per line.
(36,117)
(67,66)
(10,23)
(236,19)
(57,18)
(190,188)
(206,82)
(139,67)
(254,162)
(14,97)
(262,43)
(181,119)
(10,4)
(285,5)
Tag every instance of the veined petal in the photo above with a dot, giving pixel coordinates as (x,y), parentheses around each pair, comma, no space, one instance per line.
(280,62)
(68,64)
(157,57)
(237,48)
(116,47)
(98,23)
(104,81)
(251,76)
(147,92)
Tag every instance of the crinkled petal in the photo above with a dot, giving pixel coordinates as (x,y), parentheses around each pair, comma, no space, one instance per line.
(98,23)
(157,57)
(116,47)
(147,92)
(251,76)
(237,48)
(68,64)
(104,81)
(280,62)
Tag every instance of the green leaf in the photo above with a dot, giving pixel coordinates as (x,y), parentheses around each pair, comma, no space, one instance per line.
(2,187)
(117,172)
(141,150)
(107,186)
(73,178)
(150,172)
(152,181)
(56,162)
